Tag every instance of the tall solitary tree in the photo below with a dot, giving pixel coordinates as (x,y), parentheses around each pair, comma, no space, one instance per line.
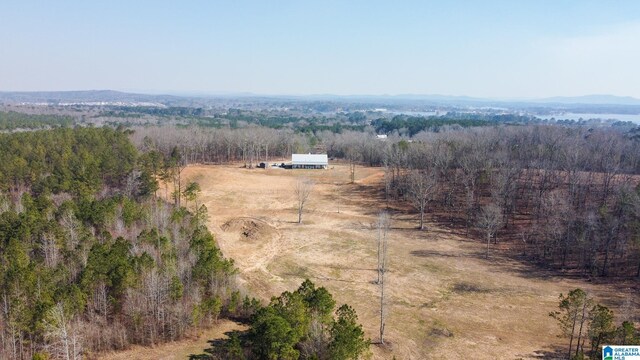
(302,190)
(422,188)
(383,230)
(490,220)
(353,156)
(174,167)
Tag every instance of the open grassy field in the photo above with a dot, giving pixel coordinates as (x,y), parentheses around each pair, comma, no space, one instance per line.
(445,300)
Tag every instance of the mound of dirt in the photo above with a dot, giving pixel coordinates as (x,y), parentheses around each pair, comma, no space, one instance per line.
(250,228)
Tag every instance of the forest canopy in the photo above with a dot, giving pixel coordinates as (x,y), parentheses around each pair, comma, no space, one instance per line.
(11,120)
(90,260)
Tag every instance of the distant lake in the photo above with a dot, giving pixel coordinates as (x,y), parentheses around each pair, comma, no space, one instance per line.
(421,113)
(563,116)
(573,116)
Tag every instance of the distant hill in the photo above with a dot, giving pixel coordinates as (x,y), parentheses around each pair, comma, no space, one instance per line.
(468,100)
(89,96)
(111,96)
(591,100)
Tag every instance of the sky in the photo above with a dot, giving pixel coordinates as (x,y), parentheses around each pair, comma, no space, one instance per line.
(494,49)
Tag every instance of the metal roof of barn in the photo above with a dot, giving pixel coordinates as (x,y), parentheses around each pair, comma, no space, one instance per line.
(309,159)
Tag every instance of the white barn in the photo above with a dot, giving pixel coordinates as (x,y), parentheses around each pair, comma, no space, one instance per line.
(309,161)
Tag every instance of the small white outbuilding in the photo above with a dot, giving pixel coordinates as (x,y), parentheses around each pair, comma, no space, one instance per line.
(309,161)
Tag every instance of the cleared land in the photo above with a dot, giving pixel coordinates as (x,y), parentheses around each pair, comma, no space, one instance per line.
(445,300)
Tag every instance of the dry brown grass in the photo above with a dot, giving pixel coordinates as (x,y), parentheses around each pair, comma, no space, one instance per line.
(445,300)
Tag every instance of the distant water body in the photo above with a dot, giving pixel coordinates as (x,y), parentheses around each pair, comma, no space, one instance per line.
(421,113)
(573,116)
(564,116)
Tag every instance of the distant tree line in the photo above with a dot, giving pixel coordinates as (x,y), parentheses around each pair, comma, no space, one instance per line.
(253,144)
(416,124)
(249,145)
(12,120)
(77,161)
(305,122)
(173,111)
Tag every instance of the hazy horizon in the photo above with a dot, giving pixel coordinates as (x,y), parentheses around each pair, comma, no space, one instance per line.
(213,94)
(495,50)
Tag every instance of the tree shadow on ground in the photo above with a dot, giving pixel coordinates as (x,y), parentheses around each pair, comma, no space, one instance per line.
(446,254)
(325,278)
(358,195)
(216,349)
(514,264)
(315,265)
(554,354)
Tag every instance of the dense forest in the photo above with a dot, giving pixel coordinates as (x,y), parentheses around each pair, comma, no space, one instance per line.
(11,120)
(90,261)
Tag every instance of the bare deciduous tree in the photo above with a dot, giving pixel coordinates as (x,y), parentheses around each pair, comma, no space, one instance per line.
(354,156)
(50,250)
(422,187)
(302,190)
(490,220)
(384,222)
(5,205)
(72,227)
(471,163)
(65,341)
